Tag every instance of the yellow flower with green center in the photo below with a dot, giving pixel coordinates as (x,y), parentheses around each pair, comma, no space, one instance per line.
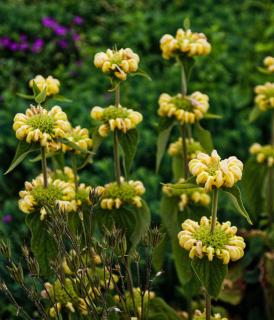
(211,171)
(265,96)
(36,197)
(269,63)
(113,118)
(192,196)
(38,125)
(118,63)
(79,136)
(65,296)
(113,196)
(264,154)
(51,84)
(201,242)
(186,109)
(198,315)
(193,147)
(186,43)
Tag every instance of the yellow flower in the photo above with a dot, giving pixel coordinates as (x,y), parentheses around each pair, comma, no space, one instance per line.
(66,174)
(80,137)
(114,196)
(184,43)
(36,197)
(198,315)
(119,118)
(117,62)
(269,63)
(212,171)
(186,109)
(263,153)
(38,125)
(265,96)
(200,242)
(51,84)
(193,147)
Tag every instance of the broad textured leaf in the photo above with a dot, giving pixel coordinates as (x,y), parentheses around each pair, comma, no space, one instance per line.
(42,244)
(211,274)
(23,149)
(204,137)
(160,310)
(254,176)
(128,142)
(132,220)
(254,114)
(165,128)
(235,196)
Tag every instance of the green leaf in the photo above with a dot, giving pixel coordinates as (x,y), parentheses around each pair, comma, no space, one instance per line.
(165,127)
(96,139)
(212,116)
(141,73)
(178,167)
(35,89)
(254,176)
(160,310)
(235,196)
(178,188)
(58,97)
(23,149)
(159,253)
(42,244)
(41,97)
(132,220)
(211,274)
(128,142)
(204,137)
(254,114)
(73,145)
(169,214)
(25,96)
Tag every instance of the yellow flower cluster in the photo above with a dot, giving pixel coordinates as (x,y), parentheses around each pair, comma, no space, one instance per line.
(36,197)
(80,137)
(38,125)
(198,315)
(117,62)
(269,63)
(263,153)
(119,118)
(201,242)
(66,297)
(65,175)
(113,196)
(196,196)
(186,42)
(211,171)
(186,109)
(193,147)
(265,96)
(51,84)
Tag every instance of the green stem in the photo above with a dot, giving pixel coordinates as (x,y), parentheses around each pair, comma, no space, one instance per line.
(183,80)
(116,142)
(270,195)
(184,149)
(74,168)
(208,306)
(272,129)
(214,210)
(44,166)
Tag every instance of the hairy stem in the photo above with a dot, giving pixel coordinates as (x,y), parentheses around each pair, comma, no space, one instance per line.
(214,209)
(208,305)
(184,149)
(44,166)
(270,195)
(74,168)
(116,141)
(183,80)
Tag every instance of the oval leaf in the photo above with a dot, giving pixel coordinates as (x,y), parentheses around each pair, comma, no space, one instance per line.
(204,137)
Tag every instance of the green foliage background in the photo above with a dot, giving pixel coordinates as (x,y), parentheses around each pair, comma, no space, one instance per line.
(241,34)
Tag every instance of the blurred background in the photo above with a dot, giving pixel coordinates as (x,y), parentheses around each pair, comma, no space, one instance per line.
(60,38)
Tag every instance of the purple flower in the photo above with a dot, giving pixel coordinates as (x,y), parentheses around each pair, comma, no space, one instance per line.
(7,218)
(23,46)
(60,30)
(37,45)
(78,20)
(14,46)
(23,37)
(5,41)
(49,22)
(75,36)
(63,44)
